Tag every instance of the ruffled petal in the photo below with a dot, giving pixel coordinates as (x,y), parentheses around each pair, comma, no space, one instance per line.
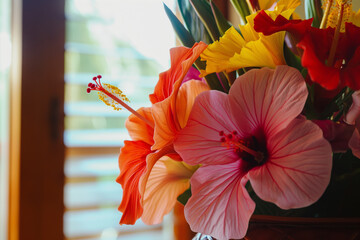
(168,179)
(248,49)
(265,24)
(138,129)
(164,111)
(264,52)
(186,98)
(327,77)
(218,53)
(199,142)
(315,44)
(165,125)
(151,160)
(132,163)
(170,119)
(267,100)
(182,59)
(219,206)
(298,167)
(266,4)
(285,5)
(355,18)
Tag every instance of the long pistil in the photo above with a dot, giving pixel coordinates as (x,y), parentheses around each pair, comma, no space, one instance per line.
(98,87)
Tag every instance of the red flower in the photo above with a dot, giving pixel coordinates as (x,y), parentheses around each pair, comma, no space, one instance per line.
(344,67)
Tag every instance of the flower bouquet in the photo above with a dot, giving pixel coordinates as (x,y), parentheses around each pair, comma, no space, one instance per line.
(260,118)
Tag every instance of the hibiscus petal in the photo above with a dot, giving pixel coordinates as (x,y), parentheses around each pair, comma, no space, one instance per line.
(266,99)
(219,206)
(138,129)
(166,116)
(182,59)
(298,168)
(165,126)
(185,99)
(168,179)
(132,163)
(151,160)
(199,142)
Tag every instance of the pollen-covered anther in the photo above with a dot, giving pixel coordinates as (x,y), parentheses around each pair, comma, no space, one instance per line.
(110,90)
(339,14)
(114,97)
(109,94)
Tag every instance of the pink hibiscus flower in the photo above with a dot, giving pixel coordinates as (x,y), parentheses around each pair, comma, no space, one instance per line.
(253,133)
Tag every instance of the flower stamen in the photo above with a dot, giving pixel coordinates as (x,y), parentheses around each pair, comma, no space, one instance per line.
(239,145)
(324,20)
(113,96)
(330,61)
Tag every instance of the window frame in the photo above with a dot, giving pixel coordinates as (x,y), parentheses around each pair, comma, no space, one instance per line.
(37,120)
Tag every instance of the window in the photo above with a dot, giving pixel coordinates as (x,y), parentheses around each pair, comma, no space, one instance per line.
(32,113)
(128,43)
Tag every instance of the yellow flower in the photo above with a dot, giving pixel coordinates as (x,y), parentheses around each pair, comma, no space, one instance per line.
(355,18)
(250,48)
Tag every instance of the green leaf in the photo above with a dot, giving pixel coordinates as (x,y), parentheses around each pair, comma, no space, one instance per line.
(221,21)
(184,197)
(193,22)
(183,34)
(242,9)
(203,9)
(313,10)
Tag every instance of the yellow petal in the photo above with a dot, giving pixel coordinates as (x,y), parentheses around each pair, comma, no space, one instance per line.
(355,18)
(264,52)
(250,48)
(266,4)
(284,5)
(218,53)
